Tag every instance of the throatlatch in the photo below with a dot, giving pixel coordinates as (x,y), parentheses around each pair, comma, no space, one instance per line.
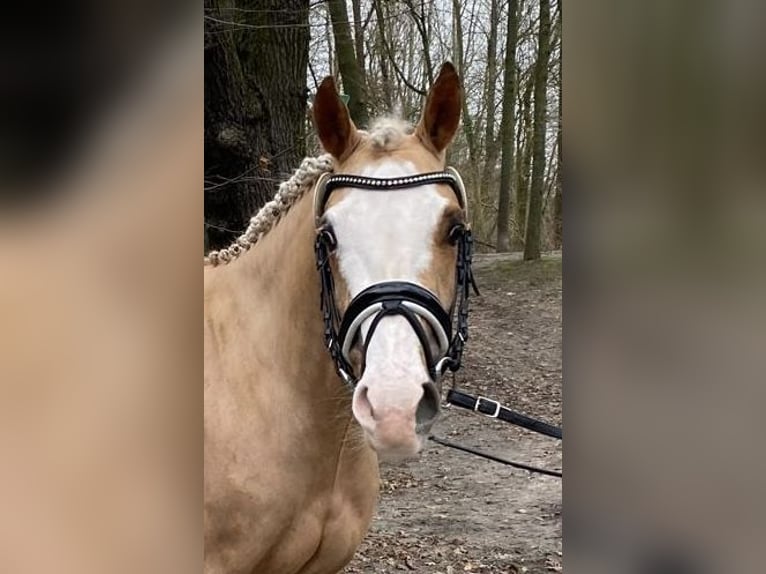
(415,303)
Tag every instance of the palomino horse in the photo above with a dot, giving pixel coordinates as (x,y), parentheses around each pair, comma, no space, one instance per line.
(291,455)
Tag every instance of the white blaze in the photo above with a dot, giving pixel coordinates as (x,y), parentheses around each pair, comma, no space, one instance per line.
(388,236)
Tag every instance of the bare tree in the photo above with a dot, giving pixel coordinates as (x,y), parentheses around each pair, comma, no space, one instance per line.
(358,34)
(350,72)
(534,216)
(558,202)
(420,17)
(383,55)
(507,131)
(524,162)
(490,145)
(468,126)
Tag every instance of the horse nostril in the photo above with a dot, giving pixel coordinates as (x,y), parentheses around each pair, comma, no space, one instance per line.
(428,407)
(362,407)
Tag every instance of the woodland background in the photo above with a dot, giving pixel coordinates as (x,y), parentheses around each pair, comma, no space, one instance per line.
(265,58)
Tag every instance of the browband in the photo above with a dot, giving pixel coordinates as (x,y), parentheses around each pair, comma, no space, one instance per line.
(329,182)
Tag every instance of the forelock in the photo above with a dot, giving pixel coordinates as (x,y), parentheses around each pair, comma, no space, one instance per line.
(387,132)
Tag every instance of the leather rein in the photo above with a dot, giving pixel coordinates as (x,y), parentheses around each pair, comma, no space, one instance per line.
(418,305)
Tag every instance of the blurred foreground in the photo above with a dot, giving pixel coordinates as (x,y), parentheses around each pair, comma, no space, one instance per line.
(100,346)
(665,317)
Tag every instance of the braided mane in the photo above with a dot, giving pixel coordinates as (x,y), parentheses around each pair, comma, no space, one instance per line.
(269,215)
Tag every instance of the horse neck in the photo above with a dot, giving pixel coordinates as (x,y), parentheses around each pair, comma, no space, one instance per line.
(278,279)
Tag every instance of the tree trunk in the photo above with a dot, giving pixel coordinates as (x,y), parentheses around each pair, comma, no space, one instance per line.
(558,202)
(523,163)
(420,22)
(359,36)
(255,101)
(351,74)
(534,216)
(382,50)
(468,130)
(472,175)
(507,131)
(490,145)
(331,53)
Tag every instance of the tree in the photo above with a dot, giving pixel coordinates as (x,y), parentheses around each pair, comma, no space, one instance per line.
(350,72)
(359,36)
(468,126)
(421,22)
(382,50)
(523,163)
(507,130)
(256,59)
(534,216)
(490,146)
(558,203)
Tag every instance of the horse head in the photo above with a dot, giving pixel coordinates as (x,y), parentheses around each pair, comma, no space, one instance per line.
(394,223)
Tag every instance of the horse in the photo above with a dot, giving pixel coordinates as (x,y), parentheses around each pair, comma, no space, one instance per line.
(350,286)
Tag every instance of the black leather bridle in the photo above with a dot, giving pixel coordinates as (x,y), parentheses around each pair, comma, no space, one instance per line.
(415,303)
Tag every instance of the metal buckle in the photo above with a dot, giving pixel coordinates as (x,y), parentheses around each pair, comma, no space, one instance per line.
(348,379)
(497,407)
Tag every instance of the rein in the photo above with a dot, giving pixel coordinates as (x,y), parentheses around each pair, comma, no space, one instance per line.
(469,450)
(415,303)
(493,409)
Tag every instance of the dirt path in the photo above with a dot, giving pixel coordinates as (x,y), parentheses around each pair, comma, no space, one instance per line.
(450,512)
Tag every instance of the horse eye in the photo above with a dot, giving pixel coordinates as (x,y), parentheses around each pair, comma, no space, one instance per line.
(455,233)
(327,236)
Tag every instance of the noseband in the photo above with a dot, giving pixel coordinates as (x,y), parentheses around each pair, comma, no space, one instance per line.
(415,303)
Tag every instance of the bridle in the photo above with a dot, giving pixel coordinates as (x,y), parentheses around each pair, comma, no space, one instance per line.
(415,303)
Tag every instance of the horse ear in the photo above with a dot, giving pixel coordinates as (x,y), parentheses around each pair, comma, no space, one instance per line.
(334,126)
(441,115)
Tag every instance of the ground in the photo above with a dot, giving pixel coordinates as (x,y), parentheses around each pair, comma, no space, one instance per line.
(449,512)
